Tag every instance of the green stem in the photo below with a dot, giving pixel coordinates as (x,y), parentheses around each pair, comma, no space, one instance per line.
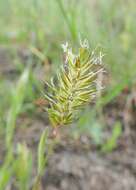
(37,183)
(69,23)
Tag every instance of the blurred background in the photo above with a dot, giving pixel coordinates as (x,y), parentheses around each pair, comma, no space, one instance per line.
(98,151)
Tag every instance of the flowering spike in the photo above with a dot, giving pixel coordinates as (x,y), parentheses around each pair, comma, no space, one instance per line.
(76,85)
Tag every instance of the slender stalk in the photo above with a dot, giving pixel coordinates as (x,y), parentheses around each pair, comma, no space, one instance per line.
(37,182)
(68,21)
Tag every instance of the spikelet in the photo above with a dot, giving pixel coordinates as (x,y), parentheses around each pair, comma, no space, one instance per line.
(76,85)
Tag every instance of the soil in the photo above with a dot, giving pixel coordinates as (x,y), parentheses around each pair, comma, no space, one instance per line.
(77,165)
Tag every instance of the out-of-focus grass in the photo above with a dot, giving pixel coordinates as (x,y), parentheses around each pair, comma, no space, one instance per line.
(46,24)
(18,95)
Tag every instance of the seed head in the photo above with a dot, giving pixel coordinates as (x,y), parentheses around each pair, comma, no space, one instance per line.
(76,85)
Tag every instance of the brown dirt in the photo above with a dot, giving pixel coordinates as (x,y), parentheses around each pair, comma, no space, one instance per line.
(75,167)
